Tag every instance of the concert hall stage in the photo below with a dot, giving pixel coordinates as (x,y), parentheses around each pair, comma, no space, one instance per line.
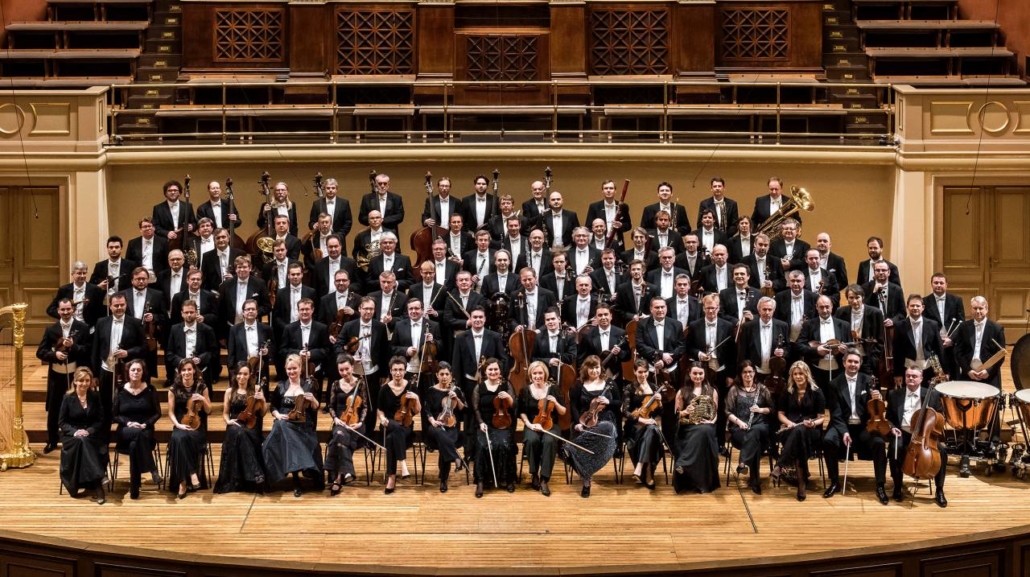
(620,529)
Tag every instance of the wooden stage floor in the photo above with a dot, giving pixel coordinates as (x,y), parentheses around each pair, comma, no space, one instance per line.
(419,530)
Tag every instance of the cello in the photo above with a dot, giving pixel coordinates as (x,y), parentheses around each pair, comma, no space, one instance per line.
(923,458)
(422,240)
(520,343)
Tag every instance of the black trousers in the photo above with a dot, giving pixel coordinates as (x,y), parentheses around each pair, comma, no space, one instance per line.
(864,444)
(895,462)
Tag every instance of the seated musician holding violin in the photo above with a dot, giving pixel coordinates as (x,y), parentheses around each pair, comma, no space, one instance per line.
(443,399)
(538,405)
(856,413)
(189,402)
(397,406)
(243,411)
(292,447)
(595,401)
(642,409)
(348,407)
(493,400)
(913,429)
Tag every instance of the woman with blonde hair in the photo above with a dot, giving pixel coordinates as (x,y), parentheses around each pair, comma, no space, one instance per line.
(801,419)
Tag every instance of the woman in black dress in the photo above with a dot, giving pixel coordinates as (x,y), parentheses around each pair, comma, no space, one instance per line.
(136,409)
(396,434)
(601,438)
(748,406)
(339,454)
(801,417)
(643,434)
(495,453)
(187,443)
(697,450)
(241,465)
(539,446)
(443,424)
(292,446)
(80,421)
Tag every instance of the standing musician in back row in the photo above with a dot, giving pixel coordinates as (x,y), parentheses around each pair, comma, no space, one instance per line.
(338,209)
(675,210)
(608,209)
(902,404)
(390,205)
(916,340)
(723,208)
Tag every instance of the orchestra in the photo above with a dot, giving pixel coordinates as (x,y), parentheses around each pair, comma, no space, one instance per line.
(510,330)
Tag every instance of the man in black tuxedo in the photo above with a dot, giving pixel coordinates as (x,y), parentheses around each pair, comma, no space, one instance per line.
(389,205)
(691,259)
(502,279)
(87,299)
(867,322)
(682,306)
(716,277)
(599,236)
(743,245)
(373,351)
(578,309)
(765,271)
(723,208)
(113,267)
(283,207)
(536,205)
(117,339)
(553,346)
(172,280)
(366,242)
(795,305)
(633,297)
(459,241)
(479,261)
(847,397)
(148,306)
(409,340)
(832,262)
(505,223)
(445,270)
(148,249)
(207,301)
(606,280)
(232,294)
(583,258)
(530,302)
(279,267)
(901,406)
(976,341)
(610,211)
(390,303)
(444,205)
(947,311)
(389,260)
(790,249)
(558,281)
(65,347)
(478,207)
(250,339)
(824,360)
(640,251)
(867,268)
(218,265)
(767,204)
(819,280)
(675,210)
(456,313)
(309,339)
(559,223)
(885,295)
(710,341)
(660,339)
(916,339)
(740,300)
(762,339)
(288,298)
(173,219)
(313,248)
(664,235)
(192,339)
(219,209)
(334,261)
(282,232)
(607,342)
(430,293)
(341,299)
(337,207)
(470,348)
(664,277)
(708,235)
(513,240)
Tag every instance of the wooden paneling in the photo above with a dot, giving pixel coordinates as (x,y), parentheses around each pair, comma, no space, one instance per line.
(309,34)
(515,55)
(435,25)
(769,36)
(693,40)
(214,38)
(30,251)
(629,40)
(374,41)
(568,41)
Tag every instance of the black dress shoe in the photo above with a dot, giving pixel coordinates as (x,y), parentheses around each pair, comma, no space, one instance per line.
(881,495)
(443,486)
(585,492)
(479,490)
(545,489)
(511,487)
(49,448)
(756,488)
(741,467)
(535,483)
(941,501)
(832,490)
(389,490)
(723,451)
(297,493)
(897,495)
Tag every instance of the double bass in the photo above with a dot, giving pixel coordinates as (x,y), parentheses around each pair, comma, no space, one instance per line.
(422,240)
(309,238)
(235,240)
(620,213)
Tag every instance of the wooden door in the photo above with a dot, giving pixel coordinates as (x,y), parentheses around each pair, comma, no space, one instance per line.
(986,250)
(30,270)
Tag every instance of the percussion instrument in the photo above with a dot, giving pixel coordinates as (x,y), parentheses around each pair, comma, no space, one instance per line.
(969,405)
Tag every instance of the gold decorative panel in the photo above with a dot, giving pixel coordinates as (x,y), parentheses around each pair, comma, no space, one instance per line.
(53,119)
(629,42)
(375,42)
(501,57)
(249,35)
(950,117)
(756,34)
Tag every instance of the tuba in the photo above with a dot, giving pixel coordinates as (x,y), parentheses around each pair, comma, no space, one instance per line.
(798,199)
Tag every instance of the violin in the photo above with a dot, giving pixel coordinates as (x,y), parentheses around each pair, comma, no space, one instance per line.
(447,414)
(299,412)
(192,417)
(591,416)
(405,414)
(350,414)
(429,351)
(339,320)
(776,382)
(923,458)
(877,410)
(502,412)
(545,408)
(653,403)
(248,416)
(149,328)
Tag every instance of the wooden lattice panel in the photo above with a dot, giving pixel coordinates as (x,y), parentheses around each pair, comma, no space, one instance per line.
(629,42)
(501,57)
(249,35)
(756,34)
(375,42)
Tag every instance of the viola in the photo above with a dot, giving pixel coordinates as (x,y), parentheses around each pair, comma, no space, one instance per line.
(877,410)
(653,403)
(429,352)
(339,320)
(350,414)
(150,328)
(502,412)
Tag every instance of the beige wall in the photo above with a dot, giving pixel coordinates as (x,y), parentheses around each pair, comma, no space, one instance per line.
(852,201)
